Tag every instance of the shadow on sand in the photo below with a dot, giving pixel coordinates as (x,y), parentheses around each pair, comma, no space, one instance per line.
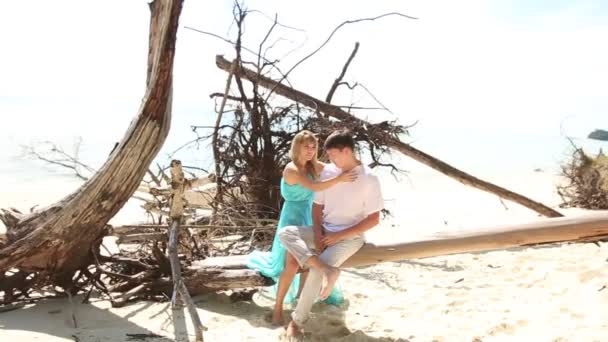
(50,320)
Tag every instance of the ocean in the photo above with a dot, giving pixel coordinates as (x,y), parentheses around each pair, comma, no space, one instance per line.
(97,126)
(498,155)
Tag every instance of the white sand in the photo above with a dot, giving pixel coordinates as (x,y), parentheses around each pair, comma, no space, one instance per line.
(552,293)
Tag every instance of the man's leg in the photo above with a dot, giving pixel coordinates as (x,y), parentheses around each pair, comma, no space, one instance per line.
(303,277)
(333,257)
(299,241)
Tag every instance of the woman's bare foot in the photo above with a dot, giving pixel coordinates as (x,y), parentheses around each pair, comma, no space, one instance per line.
(277,318)
(329,280)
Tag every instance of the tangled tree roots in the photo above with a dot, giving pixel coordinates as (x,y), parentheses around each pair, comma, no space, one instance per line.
(587,181)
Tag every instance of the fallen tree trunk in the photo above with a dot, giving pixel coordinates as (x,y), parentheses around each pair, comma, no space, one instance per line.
(587,228)
(199,279)
(58,240)
(202,280)
(142,228)
(393,142)
(571,229)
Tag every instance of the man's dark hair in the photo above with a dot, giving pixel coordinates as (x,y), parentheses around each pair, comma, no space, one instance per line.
(340,139)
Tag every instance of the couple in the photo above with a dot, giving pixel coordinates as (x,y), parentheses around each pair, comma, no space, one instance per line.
(319,236)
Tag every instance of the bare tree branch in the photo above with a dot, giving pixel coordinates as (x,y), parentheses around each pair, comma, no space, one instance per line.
(357,84)
(57,156)
(392,140)
(360,108)
(272,63)
(336,83)
(374,97)
(275,19)
(229,97)
(331,35)
(274,24)
(214,142)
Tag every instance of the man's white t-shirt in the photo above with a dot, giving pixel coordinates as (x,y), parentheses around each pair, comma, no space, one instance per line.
(346,204)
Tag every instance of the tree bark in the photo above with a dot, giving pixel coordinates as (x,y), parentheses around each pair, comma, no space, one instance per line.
(582,229)
(180,291)
(58,239)
(586,228)
(204,280)
(340,114)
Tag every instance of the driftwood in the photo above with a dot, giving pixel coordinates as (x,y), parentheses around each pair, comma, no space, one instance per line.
(166,191)
(586,184)
(153,192)
(200,194)
(58,240)
(177,209)
(393,142)
(206,279)
(57,249)
(574,229)
(566,229)
(162,235)
(255,224)
(199,278)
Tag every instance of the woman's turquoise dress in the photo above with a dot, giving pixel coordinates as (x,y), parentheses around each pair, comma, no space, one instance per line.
(296,211)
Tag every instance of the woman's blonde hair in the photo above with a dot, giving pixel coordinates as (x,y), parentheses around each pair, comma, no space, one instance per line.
(304,137)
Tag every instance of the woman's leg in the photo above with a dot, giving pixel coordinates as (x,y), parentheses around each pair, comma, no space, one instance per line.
(285,279)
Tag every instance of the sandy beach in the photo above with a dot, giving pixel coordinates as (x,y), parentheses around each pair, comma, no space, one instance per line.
(548,293)
(502,90)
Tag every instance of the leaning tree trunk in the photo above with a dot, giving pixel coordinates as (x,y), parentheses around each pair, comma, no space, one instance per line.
(395,143)
(58,240)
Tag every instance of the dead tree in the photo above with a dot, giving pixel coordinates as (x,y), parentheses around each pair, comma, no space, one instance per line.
(260,131)
(251,144)
(250,152)
(57,241)
(63,239)
(586,180)
(383,136)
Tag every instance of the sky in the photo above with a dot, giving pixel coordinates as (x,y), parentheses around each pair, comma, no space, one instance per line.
(77,68)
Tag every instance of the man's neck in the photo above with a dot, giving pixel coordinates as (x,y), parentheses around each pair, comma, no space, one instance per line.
(351,164)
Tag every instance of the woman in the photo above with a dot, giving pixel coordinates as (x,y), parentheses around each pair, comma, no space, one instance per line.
(299,182)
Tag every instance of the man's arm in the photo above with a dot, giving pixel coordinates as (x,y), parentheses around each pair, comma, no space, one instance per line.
(366,224)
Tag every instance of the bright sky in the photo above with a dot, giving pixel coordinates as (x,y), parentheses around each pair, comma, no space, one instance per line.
(79,66)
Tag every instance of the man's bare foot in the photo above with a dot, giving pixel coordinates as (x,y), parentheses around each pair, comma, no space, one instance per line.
(293,332)
(277,318)
(329,280)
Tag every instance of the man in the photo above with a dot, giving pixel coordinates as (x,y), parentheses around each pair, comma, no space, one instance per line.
(341,214)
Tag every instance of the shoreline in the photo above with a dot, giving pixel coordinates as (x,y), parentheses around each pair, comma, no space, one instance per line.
(552,292)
